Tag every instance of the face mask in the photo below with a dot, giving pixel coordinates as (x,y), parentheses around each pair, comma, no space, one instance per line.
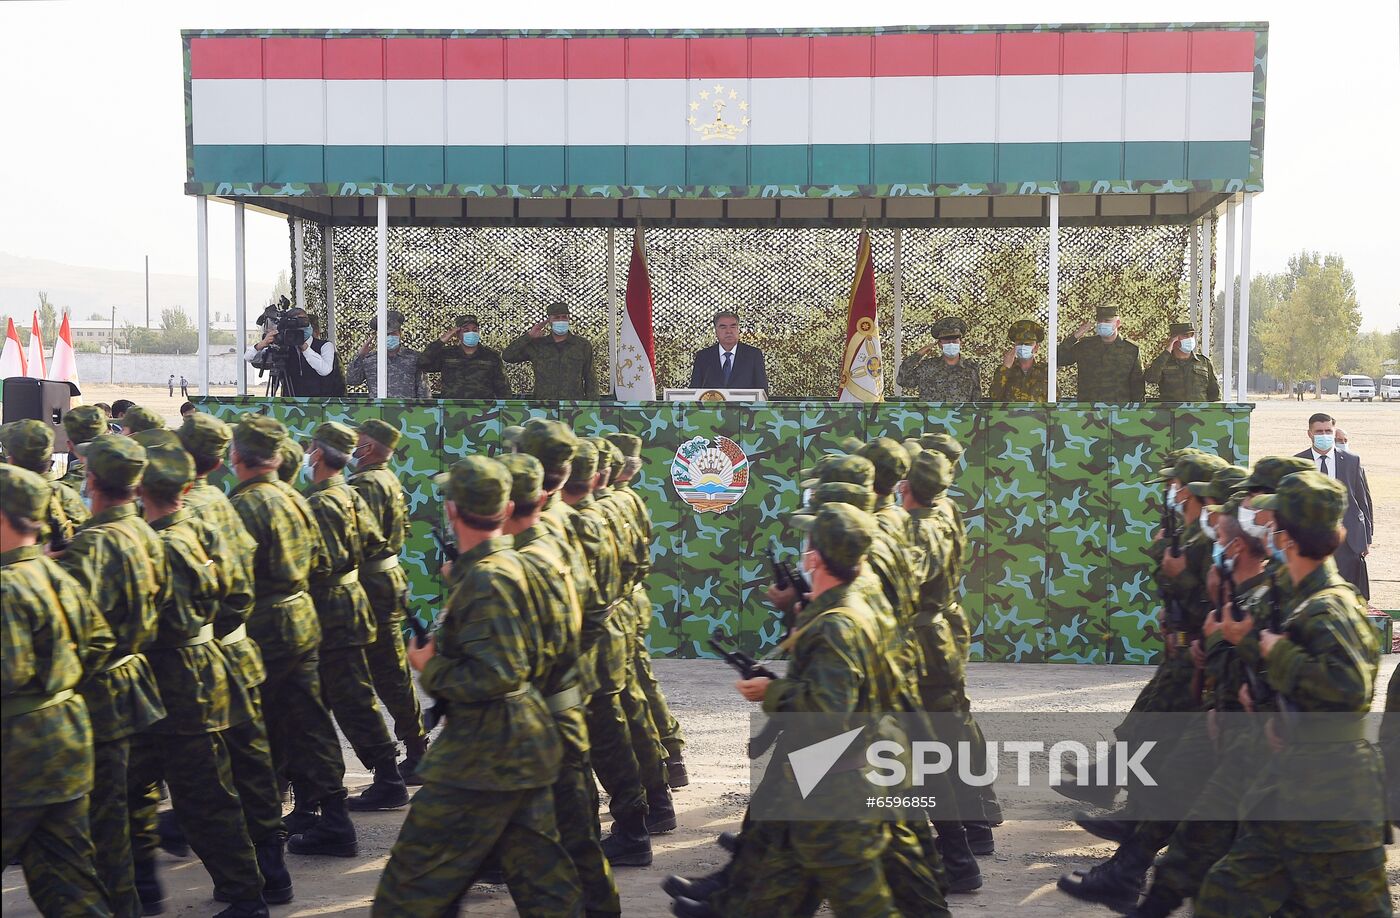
(1024,351)
(306,333)
(1206,527)
(87,502)
(1172,491)
(1105,329)
(806,553)
(559,328)
(1323,442)
(898,493)
(806,497)
(1247,523)
(1217,555)
(1187,345)
(1341,447)
(307,467)
(471,339)
(952,350)
(391,341)
(1279,554)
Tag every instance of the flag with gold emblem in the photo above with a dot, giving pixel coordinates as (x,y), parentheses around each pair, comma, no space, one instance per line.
(634,375)
(862,370)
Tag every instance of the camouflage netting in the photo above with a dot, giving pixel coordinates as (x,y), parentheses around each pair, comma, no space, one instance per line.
(789,286)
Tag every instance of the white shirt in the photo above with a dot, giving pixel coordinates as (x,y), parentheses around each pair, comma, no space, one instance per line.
(321,361)
(1331,456)
(722,352)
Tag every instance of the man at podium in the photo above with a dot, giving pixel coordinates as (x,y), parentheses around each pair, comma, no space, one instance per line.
(731,364)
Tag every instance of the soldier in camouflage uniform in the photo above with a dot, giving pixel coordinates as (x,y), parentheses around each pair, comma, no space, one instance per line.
(487,778)
(290,553)
(120,562)
(1021,377)
(1181,373)
(386,586)
(138,418)
(1326,660)
(945,376)
(197,683)
(290,458)
(54,640)
(83,424)
(891,463)
(351,533)
(29,444)
(470,369)
(562,361)
(405,378)
(1110,369)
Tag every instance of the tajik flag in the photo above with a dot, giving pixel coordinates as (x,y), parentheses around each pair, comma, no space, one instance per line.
(634,375)
(862,371)
(35,361)
(12,361)
(65,364)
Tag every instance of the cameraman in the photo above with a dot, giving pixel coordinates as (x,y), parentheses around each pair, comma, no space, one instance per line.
(312,368)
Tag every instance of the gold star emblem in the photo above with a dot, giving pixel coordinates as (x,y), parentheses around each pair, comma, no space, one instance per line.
(704,94)
(745,122)
(744,105)
(691,121)
(695,106)
(733,93)
(719,88)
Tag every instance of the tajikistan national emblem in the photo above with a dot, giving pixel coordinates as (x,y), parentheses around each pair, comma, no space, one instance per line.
(711,476)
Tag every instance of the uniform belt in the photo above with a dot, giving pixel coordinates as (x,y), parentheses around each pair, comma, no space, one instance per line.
(571,697)
(1179,638)
(119,662)
(205,635)
(16,705)
(609,609)
(349,578)
(278,598)
(234,636)
(1313,729)
(381,565)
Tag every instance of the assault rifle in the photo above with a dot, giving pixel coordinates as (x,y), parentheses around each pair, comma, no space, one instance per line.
(435,712)
(1171,532)
(446,550)
(748,668)
(788,577)
(1259,688)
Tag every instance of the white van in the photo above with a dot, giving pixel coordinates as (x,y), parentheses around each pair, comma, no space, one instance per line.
(1356,389)
(1389,388)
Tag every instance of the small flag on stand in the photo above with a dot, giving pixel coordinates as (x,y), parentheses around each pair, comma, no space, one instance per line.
(862,370)
(12,361)
(65,363)
(634,374)
(35,360)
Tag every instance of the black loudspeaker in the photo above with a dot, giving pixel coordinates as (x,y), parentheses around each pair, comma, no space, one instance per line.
(41,399)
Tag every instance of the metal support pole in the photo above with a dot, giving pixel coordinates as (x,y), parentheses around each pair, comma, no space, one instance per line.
(1227,340)
(201,211)
(1207,285)
(382,351)
(1193,260)
(299,268)
(611,270)
(1246,226)
(112,350)
(898,280)
(1052,334)
(240,300)
(328,263)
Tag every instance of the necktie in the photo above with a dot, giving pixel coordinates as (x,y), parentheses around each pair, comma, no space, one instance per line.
(728,366)
(1322,464)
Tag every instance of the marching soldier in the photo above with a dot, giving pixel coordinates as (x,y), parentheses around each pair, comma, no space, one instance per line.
(139,418)
(1181,373)
(1021,377)
(938,371)
(1110,369)
(83,424)
(29,444)
(55,639)
(891,462)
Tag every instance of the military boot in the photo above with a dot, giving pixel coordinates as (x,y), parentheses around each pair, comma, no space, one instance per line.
(963,873)
(991,809)
(301,819)
(277,881)
(333,834)
(661,811)
(676,775)
(253,908)
(700,889)
(413,751)
(1113,827)
(388,791)
(729,841)
(1116,883)
(148,888)
(172,837)
(629,844)
(1159,904)
(979,838)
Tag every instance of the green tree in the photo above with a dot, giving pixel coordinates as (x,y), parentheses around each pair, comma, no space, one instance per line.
(48,318)
(1310,332)
(1366,353)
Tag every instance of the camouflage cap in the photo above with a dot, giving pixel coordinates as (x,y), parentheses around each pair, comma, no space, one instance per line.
(291,454)
(259,432)
(608,455)
(1171,458)
(1180,328)
(84,422)
(1270,470)
(1106,313)
(630,444)
(158,437)
(526,476)
(116,461)
(851,445)
(912,447)
(1025,331)
(584,464)
(943,443)
(204,434)
(169,469)
(558,309)
(395,320)
(554,444)
(929,475)
(28,443)
(949,327)
(840,533)
(837,492)
(468,319)
(335,435)
(380,432)
(811,476)
(853,469)
(478,485)
(1196,467)
(23,493)
(139,418)
(1306,502)
(1222,484)
(891,462)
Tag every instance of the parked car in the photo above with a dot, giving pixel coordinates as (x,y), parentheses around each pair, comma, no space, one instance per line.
(1356,389)
(1389,389)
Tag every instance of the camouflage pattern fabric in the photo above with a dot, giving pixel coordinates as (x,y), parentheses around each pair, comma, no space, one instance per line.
(934,380)
(1017,384)
(75,476)
(213,507)
(1190,379)
(54,846)
(405,375)
(1109,371)
(72,505)
(480,375)
(562,369)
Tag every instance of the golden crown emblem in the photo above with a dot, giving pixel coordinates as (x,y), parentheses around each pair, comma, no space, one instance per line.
(717,100)
(710,465)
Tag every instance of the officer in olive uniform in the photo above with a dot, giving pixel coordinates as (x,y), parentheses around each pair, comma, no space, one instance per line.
(139,418)
(562,361)
(55,638)
(938,371)
(290,553)
(1110,369)
(1021,377)
(386,587)
(83,424)
(351,533)
(29,444)
(487,777)
(121,563)
(470,369)
(1181,372)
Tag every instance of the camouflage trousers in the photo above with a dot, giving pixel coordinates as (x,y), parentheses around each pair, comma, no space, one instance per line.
(300,733)
(348,691)
(609,730)
(54,846)
(111,826)
(1170,690)
(388,665)
(449,833)
(199,773)
(576,815)
(668,728)
(636,707)
(1262,876)
(250,757)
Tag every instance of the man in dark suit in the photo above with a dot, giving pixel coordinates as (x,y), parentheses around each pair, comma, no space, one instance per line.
(730,365)
(1359,521)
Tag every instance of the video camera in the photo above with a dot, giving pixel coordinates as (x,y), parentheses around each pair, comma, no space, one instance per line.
(291,334)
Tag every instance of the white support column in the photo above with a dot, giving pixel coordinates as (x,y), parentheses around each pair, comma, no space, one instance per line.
(1227,340)
(382,351)
(1193,261)
(898,283)
(1207,287)
(611,270)
(201,211)
(328,265)
(1246,225)
(299,268)
(240,300)
(1052,332)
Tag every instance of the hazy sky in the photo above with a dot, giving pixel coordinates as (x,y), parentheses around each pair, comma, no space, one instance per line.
(93,139)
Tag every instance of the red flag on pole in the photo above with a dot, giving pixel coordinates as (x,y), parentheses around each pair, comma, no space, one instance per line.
(35,360)
(634,377)
(12,361)
(65,362)
(862,370)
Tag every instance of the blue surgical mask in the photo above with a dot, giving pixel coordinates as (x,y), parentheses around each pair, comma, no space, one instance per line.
(1323,442)
(306,333)
(559,327)
(1024,351)
(391,341)
(1279,554)
(952,349)
(1341,447)
(1105,329)
(1217,554)
(1187,345)
(471,339)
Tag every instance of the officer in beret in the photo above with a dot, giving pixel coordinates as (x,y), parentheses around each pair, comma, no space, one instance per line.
(290,553)
(562,361)
(386,586)
(1181,372)
(82,424)
(405,379)
(139,418)
(487,777)
(47,750)
(28,444)
(1021,377)
(1110,369)
(938,371)
(351,534)
(470,369)
(121,563)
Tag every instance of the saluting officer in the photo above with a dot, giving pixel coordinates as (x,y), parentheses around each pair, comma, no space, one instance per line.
(938,371)
(1181,373)
(1021,377)
(1110,369)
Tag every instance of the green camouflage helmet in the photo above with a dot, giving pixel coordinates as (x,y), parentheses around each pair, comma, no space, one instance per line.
(584,466)
(23,493)
(1306,503)
(1196,467)
(478,485)
(1221,485)
(139,418)
(891,462)
(204,434)
(853,469)
(259,433)
(28,444)
(554,444)
(162,437)
(841,534)
(526,477)
(335,435)
(943,443)
(169,470)
(84,422)
(833,492)
(929,476)
(380,432)
(291,455)
(116,461)
(1270,470)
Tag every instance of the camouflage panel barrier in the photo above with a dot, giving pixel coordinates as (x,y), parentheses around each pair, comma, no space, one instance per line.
(1058,503)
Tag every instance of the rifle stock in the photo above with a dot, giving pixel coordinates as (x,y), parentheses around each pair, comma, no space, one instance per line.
(748,668)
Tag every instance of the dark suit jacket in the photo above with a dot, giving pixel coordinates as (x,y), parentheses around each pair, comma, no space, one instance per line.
(1359,521)
(748,372)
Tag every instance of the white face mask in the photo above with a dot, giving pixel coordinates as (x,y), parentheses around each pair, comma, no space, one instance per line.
(1206,527)
(308,468)
(1172,491)
(952,349)
(1247,523)
(1341,447)
(1024,351)
(1187,345)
